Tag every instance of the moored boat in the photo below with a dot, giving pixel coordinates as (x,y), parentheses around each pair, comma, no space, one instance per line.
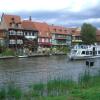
(84,52)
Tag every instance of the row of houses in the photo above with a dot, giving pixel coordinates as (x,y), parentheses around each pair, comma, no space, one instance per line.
(17,33)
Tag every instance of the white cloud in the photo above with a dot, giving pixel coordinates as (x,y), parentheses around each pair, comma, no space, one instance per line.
(79,5)
(31,5)
(49,5)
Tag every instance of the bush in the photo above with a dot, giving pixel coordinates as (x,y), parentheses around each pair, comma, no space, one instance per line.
(8,52)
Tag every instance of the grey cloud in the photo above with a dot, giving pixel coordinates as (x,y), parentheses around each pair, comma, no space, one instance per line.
(64,17)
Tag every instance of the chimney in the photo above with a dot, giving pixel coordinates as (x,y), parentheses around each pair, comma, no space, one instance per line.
(30,19)
(52,24)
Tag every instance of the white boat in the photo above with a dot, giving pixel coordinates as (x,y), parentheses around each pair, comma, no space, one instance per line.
(84,52)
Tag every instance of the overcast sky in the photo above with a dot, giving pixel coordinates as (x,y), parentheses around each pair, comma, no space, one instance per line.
(70,13)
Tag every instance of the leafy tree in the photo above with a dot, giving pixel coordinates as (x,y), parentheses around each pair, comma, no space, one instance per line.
(88,33)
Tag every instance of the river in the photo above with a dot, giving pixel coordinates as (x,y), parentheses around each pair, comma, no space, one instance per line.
(26,71)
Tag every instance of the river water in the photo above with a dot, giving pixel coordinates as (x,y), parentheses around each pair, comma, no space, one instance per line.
(26,71)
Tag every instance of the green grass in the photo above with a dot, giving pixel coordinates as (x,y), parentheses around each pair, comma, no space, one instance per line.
(11,92)
(8,52)
(87,88)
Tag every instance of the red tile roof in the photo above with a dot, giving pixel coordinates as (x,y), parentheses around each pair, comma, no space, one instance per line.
(28,25)
(98,32)
(43,29)
(58,29)
(75,31)
(10,18)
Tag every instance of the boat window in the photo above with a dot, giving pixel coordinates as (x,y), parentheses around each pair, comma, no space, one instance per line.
(87,52)
(90,52)
(98,52)
(83,52)
(74,51)
(95,52)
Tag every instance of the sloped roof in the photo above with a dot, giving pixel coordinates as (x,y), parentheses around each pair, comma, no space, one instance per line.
(75,31)
(98,32)
(43,29)
(58,29)
(11,18)
(28,25)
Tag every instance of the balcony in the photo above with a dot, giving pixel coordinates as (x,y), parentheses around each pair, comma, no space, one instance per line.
(61,37)
(59,44)
(76,40)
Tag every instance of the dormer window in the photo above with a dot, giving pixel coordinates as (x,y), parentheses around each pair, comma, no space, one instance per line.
(73,31)
(60,30)
(12,19)
(55,29)
(65,30)
(10,24)
(16,24)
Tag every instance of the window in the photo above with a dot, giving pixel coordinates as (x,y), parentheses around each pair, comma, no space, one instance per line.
(55,29)
(24,34)
(98,52)
(12,32)
(65,30)
(12,18)
(21,33)
(19,41)
(95,52)
(42,39)
(28,34)
(74,51)
(16,25)
(39,39)
(46,40)
(18,32)
(90,52)
(87,52)
(83,52)
(12,41)
(31,34)
(60,30)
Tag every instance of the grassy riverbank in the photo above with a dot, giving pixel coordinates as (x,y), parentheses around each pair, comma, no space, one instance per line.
(87,88)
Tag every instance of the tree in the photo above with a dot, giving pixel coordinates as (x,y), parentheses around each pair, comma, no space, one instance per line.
(88,33)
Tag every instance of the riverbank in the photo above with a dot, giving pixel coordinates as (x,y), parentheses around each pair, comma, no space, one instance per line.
(87,88)
(28,56)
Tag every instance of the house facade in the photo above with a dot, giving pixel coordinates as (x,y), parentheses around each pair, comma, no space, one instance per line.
(60,36)
(12,24)
(3,37)
(30,34)
(18,34)
(44,37)
(76,36)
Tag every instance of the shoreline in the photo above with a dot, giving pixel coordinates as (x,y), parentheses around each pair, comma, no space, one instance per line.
(33,55)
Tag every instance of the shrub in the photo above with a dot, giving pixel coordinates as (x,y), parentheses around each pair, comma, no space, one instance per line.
(8,52)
